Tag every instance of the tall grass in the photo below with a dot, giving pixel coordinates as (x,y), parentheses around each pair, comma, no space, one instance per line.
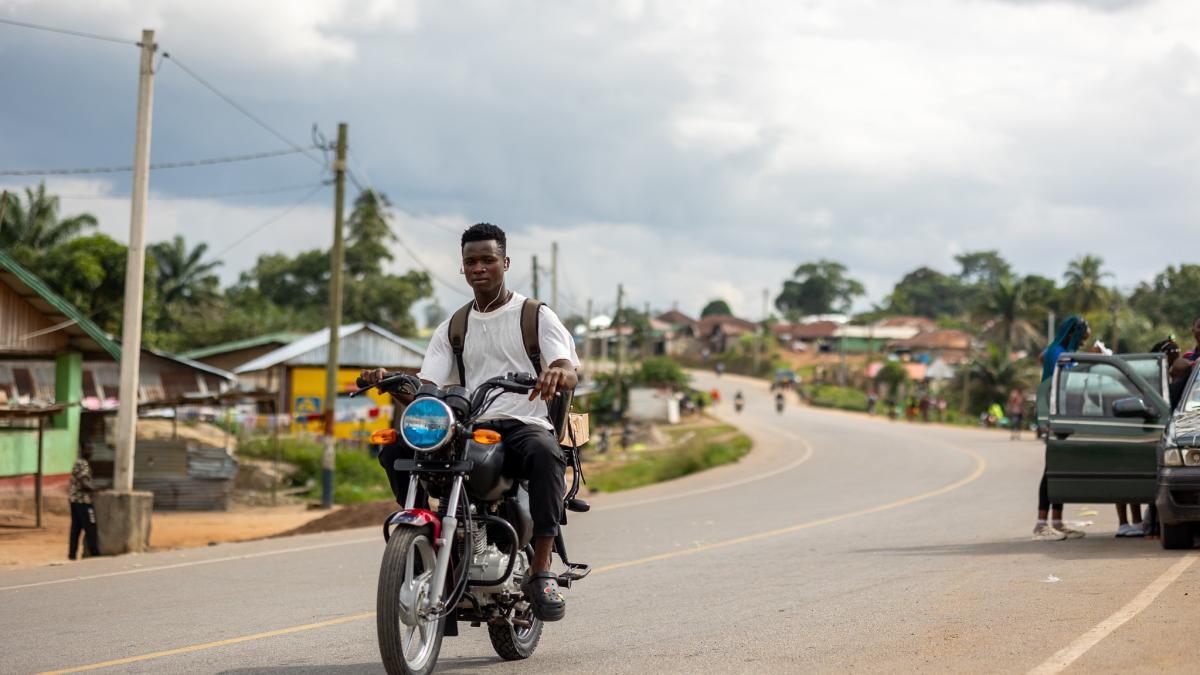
(706,448)
(357,476)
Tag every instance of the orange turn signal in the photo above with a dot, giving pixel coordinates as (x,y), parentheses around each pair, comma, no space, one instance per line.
(486,436)
(384,436)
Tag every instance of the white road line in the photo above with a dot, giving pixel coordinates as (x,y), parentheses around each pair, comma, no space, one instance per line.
(193,563)
(808,453)
(1069,654)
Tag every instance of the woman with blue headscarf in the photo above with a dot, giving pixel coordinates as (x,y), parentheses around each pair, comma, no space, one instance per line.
(1072,333)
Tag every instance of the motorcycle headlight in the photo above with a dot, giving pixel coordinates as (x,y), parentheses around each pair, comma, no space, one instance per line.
(1171,457)
(427,424)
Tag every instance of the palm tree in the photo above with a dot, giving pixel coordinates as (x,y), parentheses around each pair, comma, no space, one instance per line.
(996,374)
(1084,289)
(1008,301)
(34,228)
(182,277)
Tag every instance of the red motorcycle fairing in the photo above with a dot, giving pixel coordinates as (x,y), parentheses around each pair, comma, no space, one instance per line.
(415,518)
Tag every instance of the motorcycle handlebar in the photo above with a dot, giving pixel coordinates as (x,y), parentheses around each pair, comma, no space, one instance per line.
(396,378)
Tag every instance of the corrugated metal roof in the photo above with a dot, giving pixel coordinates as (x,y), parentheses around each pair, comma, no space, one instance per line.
(283,337)
(360,344)
(36,292)
(223,374)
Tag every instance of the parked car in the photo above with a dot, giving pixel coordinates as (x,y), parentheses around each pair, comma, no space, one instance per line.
(1112,438)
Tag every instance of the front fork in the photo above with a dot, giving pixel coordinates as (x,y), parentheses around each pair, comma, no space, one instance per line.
(449,525)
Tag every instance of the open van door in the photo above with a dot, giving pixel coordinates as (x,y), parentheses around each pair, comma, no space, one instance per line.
(1105,421)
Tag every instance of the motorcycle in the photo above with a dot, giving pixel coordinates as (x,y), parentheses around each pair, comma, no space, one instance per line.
(466,560)
(779,404)
(739,403)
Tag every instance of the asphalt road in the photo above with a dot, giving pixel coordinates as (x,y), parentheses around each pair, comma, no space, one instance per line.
(841,543)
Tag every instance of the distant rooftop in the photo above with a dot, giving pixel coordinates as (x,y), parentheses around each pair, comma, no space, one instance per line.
(282,337)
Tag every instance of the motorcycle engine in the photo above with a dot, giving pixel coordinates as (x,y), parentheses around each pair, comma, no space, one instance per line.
(491,563)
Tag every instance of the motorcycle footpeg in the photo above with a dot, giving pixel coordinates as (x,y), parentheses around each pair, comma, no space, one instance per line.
(578,505)
(575,572)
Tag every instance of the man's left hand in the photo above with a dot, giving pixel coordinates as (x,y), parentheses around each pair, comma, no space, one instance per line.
(551,381)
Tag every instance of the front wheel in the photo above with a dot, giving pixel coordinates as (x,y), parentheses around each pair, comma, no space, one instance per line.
(516,641)
(1177,536)
(408,641)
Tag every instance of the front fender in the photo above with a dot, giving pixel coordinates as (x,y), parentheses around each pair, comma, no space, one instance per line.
(413,518)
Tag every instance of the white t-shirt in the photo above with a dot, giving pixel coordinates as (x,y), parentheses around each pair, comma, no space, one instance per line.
(493,347)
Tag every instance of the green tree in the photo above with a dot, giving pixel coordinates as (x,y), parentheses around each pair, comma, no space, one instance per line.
(994,374)
(1083,287)
(368,235)
(89,272)
(818,288)
(183,276)
(33,228)
(1007,301)
(716,307)
(982,268)
(1170,299)
(661,371)
(928,292)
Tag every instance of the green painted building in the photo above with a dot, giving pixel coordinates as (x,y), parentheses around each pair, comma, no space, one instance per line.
(38,325)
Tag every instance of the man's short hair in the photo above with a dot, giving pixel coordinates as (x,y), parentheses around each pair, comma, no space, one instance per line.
(486,232)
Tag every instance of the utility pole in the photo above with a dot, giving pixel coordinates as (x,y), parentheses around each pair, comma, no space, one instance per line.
(616,325)
(587,335)
(3,203)
(337,255)
(554,276)
(1115,331)
(135,273)
(758,347)
(535,278)
(1050,327)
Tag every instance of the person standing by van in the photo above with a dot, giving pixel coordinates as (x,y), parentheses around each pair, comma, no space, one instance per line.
(1072,333)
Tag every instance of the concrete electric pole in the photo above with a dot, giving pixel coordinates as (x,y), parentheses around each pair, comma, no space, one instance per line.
(554,276)
(336,257)
(535,278)
(616,326)
(135,273)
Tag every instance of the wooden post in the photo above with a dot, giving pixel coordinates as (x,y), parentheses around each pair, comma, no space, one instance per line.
(37,486)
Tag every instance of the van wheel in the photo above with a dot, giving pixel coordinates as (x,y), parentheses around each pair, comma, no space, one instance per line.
(1177,536)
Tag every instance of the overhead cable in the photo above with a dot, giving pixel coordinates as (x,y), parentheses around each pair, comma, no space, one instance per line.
(272,219)
(75,33)
(238,107)
(207,195)
(161,165)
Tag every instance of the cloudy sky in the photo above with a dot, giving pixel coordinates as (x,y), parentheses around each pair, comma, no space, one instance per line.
(688,149)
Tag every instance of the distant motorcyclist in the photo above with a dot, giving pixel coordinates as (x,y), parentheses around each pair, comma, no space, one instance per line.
(739,401)
(779,402)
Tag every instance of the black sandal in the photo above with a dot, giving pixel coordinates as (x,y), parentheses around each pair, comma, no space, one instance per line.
(541,590)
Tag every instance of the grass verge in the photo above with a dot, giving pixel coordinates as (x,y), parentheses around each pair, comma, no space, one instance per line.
(695,448)
(357,476)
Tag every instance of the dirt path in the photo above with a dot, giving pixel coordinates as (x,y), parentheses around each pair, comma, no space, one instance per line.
(28,547)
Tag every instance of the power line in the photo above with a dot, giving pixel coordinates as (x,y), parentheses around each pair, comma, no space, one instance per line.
(209,195)
(161,165)
(238,107)
(272,219)
(75,33)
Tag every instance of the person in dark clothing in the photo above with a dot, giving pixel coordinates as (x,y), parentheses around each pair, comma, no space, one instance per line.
(83,513)
(1072,333)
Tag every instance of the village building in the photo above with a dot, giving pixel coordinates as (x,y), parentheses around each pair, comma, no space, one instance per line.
(294,376)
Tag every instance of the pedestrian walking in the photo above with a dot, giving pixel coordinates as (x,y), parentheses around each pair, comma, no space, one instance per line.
(1015,409)
(83,513)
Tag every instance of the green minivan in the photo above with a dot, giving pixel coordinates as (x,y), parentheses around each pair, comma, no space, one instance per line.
(1111,438)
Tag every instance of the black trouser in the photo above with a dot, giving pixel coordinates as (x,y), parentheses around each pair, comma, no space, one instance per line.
(1044,496)
(83,518)
(531,453)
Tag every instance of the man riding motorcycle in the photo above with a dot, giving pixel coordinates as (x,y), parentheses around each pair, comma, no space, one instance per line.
(493,346)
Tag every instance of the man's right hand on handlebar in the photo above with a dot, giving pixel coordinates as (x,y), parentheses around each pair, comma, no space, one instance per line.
(370,377)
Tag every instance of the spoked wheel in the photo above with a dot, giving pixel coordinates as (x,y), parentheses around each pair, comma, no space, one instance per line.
(514,641)
(408,642)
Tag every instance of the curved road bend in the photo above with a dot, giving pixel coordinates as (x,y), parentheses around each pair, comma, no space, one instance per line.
(840,543)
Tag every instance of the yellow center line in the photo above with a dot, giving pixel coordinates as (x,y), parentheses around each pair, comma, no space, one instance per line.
(213,645)
(980,467)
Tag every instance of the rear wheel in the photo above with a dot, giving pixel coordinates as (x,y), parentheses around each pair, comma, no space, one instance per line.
(1177,536)
(408,642)
(514,641)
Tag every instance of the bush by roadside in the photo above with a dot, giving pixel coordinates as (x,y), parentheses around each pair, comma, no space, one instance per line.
(357,475)
(694,448)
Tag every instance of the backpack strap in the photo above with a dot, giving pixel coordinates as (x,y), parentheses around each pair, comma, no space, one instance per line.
(529,332)
(457,332)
